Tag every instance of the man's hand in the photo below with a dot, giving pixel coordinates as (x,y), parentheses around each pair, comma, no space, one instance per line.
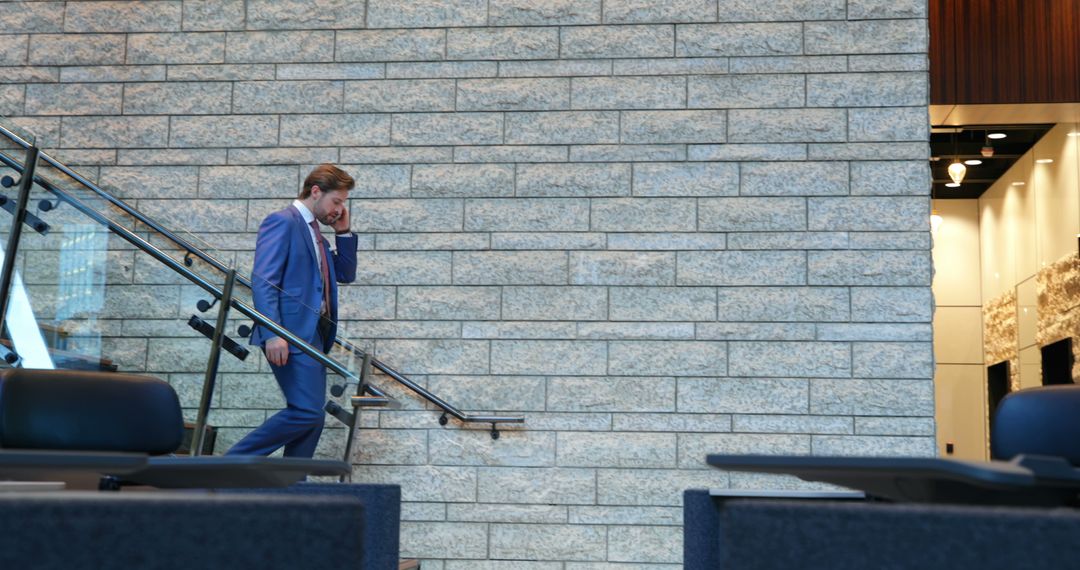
(277,351)
(341,225)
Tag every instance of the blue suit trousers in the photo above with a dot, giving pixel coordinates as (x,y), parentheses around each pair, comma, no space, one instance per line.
(299,425)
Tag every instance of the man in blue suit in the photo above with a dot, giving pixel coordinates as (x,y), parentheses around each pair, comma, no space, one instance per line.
(294,282)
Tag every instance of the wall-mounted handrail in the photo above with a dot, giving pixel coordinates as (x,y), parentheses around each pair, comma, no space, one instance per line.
(220,266)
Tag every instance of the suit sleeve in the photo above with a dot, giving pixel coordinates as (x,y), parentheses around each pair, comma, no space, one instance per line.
(271,253)
(345,258)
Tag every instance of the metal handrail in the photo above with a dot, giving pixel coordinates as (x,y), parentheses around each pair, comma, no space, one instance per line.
(220,266)
(178,267)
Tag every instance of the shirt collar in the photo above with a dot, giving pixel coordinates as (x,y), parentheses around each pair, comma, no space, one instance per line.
(304,212)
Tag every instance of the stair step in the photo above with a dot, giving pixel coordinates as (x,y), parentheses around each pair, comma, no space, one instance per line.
(408,564)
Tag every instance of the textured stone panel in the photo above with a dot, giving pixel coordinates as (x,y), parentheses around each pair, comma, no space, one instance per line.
(877,9)
(627,153)
(906,178)
(876,331)
(628,93)
(32,17)
(431,241)
(404,268)
(891,304)
(151,181)
(442,128)
(550,13)
(756,331)
(781,10)
(178,98)
(694,447)
(686,179)
(794,178)
(644,450)
(428,303)
(617,41)
(867,36)
(443,540)
(673,127)
(396,155)
(284,47)
(593,180)
(335,129)
(115,132)
(872,397)
(484,180)
(113,17)
(255,130)
(665,241)
(507,153)
(752,214)
(654,486)
(746,91)
(640,358)
(547,542)
(443,69)
(554,303)
(475,447)
(304,14)
(435,356)
(787,125)
(13,50)
(513,94)
(649,11)
(287,96)
(204,15)
(663,304)
(393,447)
(788,359)
(866,89)
(708,40)
(889,124)
(491,392)
(69,99)
(331,71)
(566,127)
(506,513)
(378,181)
(399,95)
(390,45)
(656,544)
(510,268)
(643,214)
(82,49)
(356,302)
(754,268)
(855,214)
(622,268)
(792,424)
(868,151)
(671,66)
(502,43)
(893,359)
(803,304)
(705,423)
(226,72)
(636,331)
(527,214)
(548,357)
(744,152)
(426,13)
(610,394)
(33,74)
(894,426)
(553,240)
(898,62)
(662,516)
(555,68)
(788,240)
(520,485)
(869,267)
(874,446)
(193,47)
(789,64)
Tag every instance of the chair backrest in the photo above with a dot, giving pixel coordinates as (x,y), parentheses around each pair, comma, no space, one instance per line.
(1038,421)
(88,411)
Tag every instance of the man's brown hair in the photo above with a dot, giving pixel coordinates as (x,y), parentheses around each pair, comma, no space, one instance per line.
(328,178)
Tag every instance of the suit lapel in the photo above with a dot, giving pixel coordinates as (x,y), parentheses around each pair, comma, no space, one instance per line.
(305,230)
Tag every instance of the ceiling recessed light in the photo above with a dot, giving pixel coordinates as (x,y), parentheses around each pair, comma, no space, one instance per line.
(1074,134)
(996,136)
(952,184)
(1019,183)
(972,162)
(1043,160)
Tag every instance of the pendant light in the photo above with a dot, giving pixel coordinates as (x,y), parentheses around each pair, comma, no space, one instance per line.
(957,170)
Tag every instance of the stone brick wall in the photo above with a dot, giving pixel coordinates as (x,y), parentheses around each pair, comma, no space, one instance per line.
(657,229)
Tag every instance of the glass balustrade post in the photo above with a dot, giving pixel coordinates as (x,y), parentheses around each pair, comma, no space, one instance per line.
(8,269)
(212,363)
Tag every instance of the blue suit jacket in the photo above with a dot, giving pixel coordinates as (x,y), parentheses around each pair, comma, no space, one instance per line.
(286,284)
